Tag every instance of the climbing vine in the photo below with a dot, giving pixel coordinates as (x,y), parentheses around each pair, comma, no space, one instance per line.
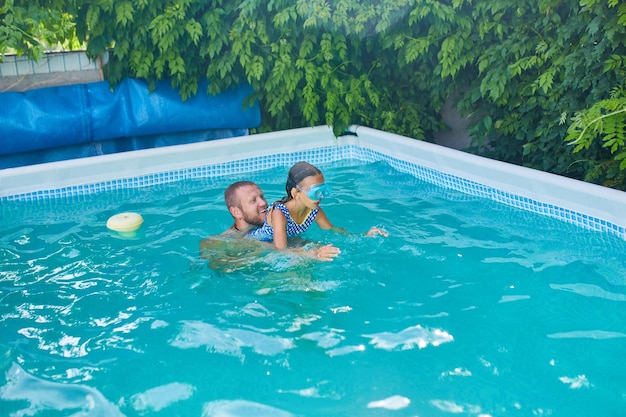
(31,29)
(542,81)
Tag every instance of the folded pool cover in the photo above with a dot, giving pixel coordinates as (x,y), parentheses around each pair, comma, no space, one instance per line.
(78,114)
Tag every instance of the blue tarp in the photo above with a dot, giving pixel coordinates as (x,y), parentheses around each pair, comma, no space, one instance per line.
(88,119)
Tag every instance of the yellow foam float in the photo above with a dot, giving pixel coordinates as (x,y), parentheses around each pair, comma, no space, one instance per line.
(125,222)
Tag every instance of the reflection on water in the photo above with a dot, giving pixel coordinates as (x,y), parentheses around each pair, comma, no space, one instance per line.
(241,408)
(161,397)
(41,395)
(230,341)
(395,402)
(590,290)
(410,337)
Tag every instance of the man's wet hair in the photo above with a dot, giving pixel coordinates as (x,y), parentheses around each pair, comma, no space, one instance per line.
(230,194)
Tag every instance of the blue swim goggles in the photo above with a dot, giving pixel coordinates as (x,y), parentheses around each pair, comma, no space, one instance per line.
(316,191)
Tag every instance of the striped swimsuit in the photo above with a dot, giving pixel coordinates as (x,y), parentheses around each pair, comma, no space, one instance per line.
(266,232)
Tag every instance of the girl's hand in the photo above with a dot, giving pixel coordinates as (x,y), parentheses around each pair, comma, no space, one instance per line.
(325,253)
(376,231)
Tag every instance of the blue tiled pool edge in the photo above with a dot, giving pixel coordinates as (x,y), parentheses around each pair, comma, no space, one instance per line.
(302,144)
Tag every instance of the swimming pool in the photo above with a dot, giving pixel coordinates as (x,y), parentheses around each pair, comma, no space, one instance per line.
(473,306)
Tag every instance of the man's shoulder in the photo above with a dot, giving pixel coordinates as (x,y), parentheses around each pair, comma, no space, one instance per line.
(233,232)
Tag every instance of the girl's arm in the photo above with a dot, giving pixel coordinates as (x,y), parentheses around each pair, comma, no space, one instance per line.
(279,224)
(322,220)
(324,223)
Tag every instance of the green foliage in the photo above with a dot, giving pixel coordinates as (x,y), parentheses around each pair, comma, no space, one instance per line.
(606,121)
(549,60)
(33,27)
(532,75)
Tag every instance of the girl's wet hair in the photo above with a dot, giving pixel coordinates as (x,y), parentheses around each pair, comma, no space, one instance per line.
(296,174)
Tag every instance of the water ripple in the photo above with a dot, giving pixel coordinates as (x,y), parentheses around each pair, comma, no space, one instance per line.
(162,397)
(589,290)
(230,341)
(409,337)
(46,395)
(395,402)
(241,408)
(587,334)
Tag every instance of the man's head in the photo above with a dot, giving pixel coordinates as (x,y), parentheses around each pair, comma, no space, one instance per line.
(246,203)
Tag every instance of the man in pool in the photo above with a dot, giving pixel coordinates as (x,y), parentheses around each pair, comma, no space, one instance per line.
(228,252)
(246,203)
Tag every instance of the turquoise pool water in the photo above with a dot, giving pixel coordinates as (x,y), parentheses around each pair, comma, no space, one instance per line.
(470,307)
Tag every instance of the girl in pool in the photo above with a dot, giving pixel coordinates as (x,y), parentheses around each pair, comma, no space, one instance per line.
(295,212)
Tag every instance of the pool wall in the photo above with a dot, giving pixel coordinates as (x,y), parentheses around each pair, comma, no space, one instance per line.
(586,205)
